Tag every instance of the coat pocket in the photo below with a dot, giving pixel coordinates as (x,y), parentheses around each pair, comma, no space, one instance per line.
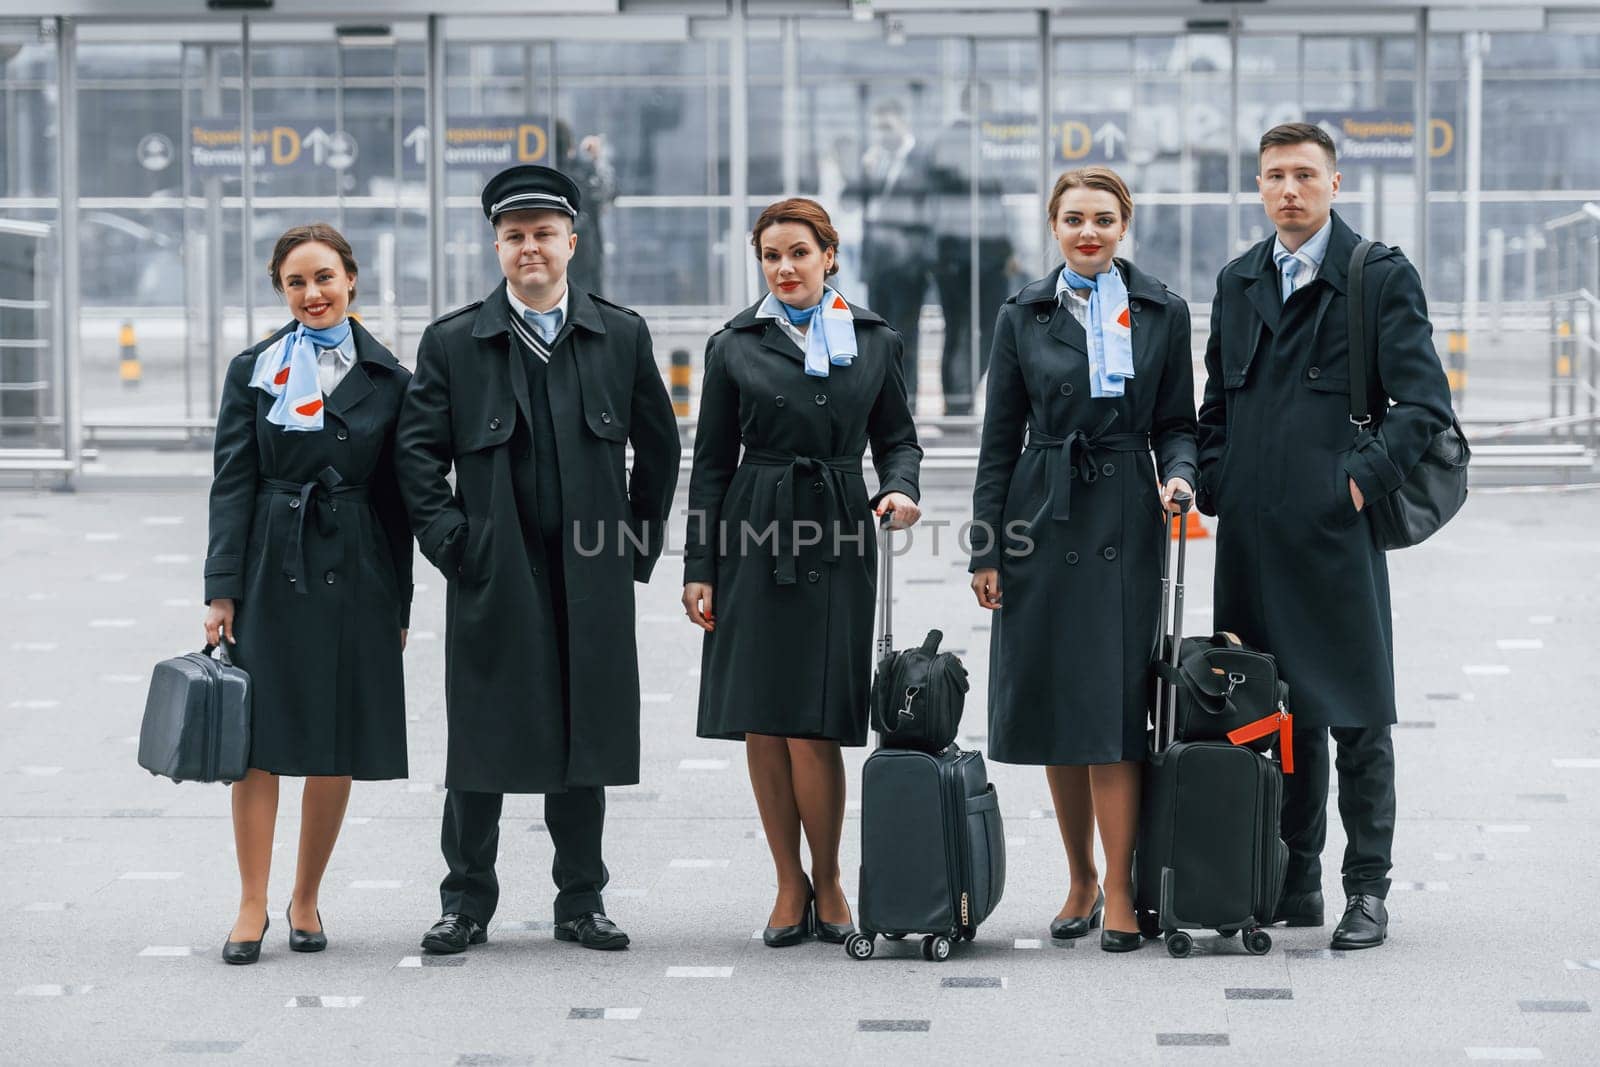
(606,424)
(481,433)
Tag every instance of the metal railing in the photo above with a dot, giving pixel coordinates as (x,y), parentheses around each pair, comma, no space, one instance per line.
(1572,244)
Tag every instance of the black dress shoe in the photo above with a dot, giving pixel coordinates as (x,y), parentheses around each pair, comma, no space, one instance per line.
(1300,909)
(592,930)
(1120,940)
(832,933)
(305,940)
(245,951)
(1365,923)
(1080,925)
(785,936)
(453,933)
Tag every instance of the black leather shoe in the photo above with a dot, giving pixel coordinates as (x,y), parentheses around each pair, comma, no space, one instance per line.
(453,933)
(1300,909)
(1080,925)
(245,951)
(592,930)
(832,933)
(1365,923)
(785,936)
(1120,940)
(305,940)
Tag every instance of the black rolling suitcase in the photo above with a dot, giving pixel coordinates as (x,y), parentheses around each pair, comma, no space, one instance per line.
(1209,856)
(197,719)
(933,850)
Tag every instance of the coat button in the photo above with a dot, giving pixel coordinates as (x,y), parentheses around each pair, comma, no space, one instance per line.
(1072,557)
(1041,318)
(779,401)
(1109,553)
(494,423)
(817,487)
(343,435)
(1072,472)
(1109,469)
(605,416)
(813,576)
(291,579)
(1066,388)
(294,502)
(821,399)
(1314,373)
(328,577)
(333,505)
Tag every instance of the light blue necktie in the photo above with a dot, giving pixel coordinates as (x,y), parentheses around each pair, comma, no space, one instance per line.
(1289,264)
(546,323)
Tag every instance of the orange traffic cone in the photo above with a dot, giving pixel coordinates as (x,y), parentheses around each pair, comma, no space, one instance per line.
(1193,527)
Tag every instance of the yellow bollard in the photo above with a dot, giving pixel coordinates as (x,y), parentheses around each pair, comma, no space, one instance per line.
(1456,366)
(679,380)
(128,366)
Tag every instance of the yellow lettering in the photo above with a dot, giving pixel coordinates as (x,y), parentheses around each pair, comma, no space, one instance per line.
(1076,141)
(531,143)
(1442,138)
(285,145)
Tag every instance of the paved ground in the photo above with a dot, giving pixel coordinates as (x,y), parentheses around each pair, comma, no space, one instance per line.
(116,889)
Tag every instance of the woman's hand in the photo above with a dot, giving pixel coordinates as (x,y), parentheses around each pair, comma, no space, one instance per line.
(986,585)
(697,605)
(403,634)
(219,621)
(1173,488)
(902,510)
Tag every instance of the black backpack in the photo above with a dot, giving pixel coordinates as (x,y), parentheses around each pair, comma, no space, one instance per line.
(917,697)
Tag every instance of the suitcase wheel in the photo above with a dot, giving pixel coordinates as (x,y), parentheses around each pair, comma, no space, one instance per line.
(1257,942)
(936,948)
(894,937)
(968,933)
(859,946)
(1179,944)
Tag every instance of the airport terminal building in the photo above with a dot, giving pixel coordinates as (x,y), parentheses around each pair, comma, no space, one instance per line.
(135,228)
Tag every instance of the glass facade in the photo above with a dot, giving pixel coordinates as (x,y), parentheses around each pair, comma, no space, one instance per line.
(680,127)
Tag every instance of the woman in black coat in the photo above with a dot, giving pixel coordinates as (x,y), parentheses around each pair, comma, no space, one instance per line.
(780,561)
(1093,362)
(308,573)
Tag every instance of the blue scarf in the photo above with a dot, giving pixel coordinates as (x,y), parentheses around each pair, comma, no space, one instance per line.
(1110,329)
(288,370)
(830,331)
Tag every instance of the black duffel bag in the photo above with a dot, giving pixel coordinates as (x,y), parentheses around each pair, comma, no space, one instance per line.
(917,697)
(1437,486)
(1220,687)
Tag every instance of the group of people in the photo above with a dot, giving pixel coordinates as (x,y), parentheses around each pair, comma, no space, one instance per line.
(331,458)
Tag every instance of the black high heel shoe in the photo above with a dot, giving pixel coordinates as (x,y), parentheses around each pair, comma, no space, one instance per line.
(832,933)
(1079,925)
(784,936)
(245,951)
(304,940)
(1120,940)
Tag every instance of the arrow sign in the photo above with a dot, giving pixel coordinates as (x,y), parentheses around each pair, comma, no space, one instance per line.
(317,140)
(1110,135)
(417,140)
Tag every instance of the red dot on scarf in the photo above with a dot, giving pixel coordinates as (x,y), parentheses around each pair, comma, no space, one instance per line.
(309,409)
(282,378)
(1124,320)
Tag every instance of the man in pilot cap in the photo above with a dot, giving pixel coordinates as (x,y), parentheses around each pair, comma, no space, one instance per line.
(532,394)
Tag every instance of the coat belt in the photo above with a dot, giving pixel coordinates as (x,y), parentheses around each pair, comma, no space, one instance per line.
(1078,458)
(321,489)
(832,471)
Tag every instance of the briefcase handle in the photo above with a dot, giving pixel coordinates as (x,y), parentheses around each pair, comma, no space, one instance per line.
(220,651)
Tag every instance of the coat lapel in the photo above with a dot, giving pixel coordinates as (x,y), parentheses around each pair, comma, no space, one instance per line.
(494,321)
(1335,269)
(357,385)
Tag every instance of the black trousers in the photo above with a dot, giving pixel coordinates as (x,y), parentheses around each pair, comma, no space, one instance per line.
(896,294)
(1365,764)
(952,273)
(470,841)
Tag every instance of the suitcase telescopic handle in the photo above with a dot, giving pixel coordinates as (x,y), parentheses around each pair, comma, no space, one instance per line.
(885,643)
(1166,712)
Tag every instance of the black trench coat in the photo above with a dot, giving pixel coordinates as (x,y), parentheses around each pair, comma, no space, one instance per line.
(791,654)
(509,729)
(1298,570)
(1071,645)
(320,576)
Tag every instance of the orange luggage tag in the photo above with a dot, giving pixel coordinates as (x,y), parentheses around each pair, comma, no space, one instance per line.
(1281,721)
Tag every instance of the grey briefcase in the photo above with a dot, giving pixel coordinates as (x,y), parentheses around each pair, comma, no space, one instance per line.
(197,719)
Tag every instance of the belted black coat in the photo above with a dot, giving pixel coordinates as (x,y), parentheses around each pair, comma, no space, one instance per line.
(308,537)
(510,730)
(778,450)
(1299,572)
(1067,507)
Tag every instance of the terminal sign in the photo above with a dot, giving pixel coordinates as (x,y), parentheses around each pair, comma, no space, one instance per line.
(488,142)
(1382,138)
(215,145)
(1076,140)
